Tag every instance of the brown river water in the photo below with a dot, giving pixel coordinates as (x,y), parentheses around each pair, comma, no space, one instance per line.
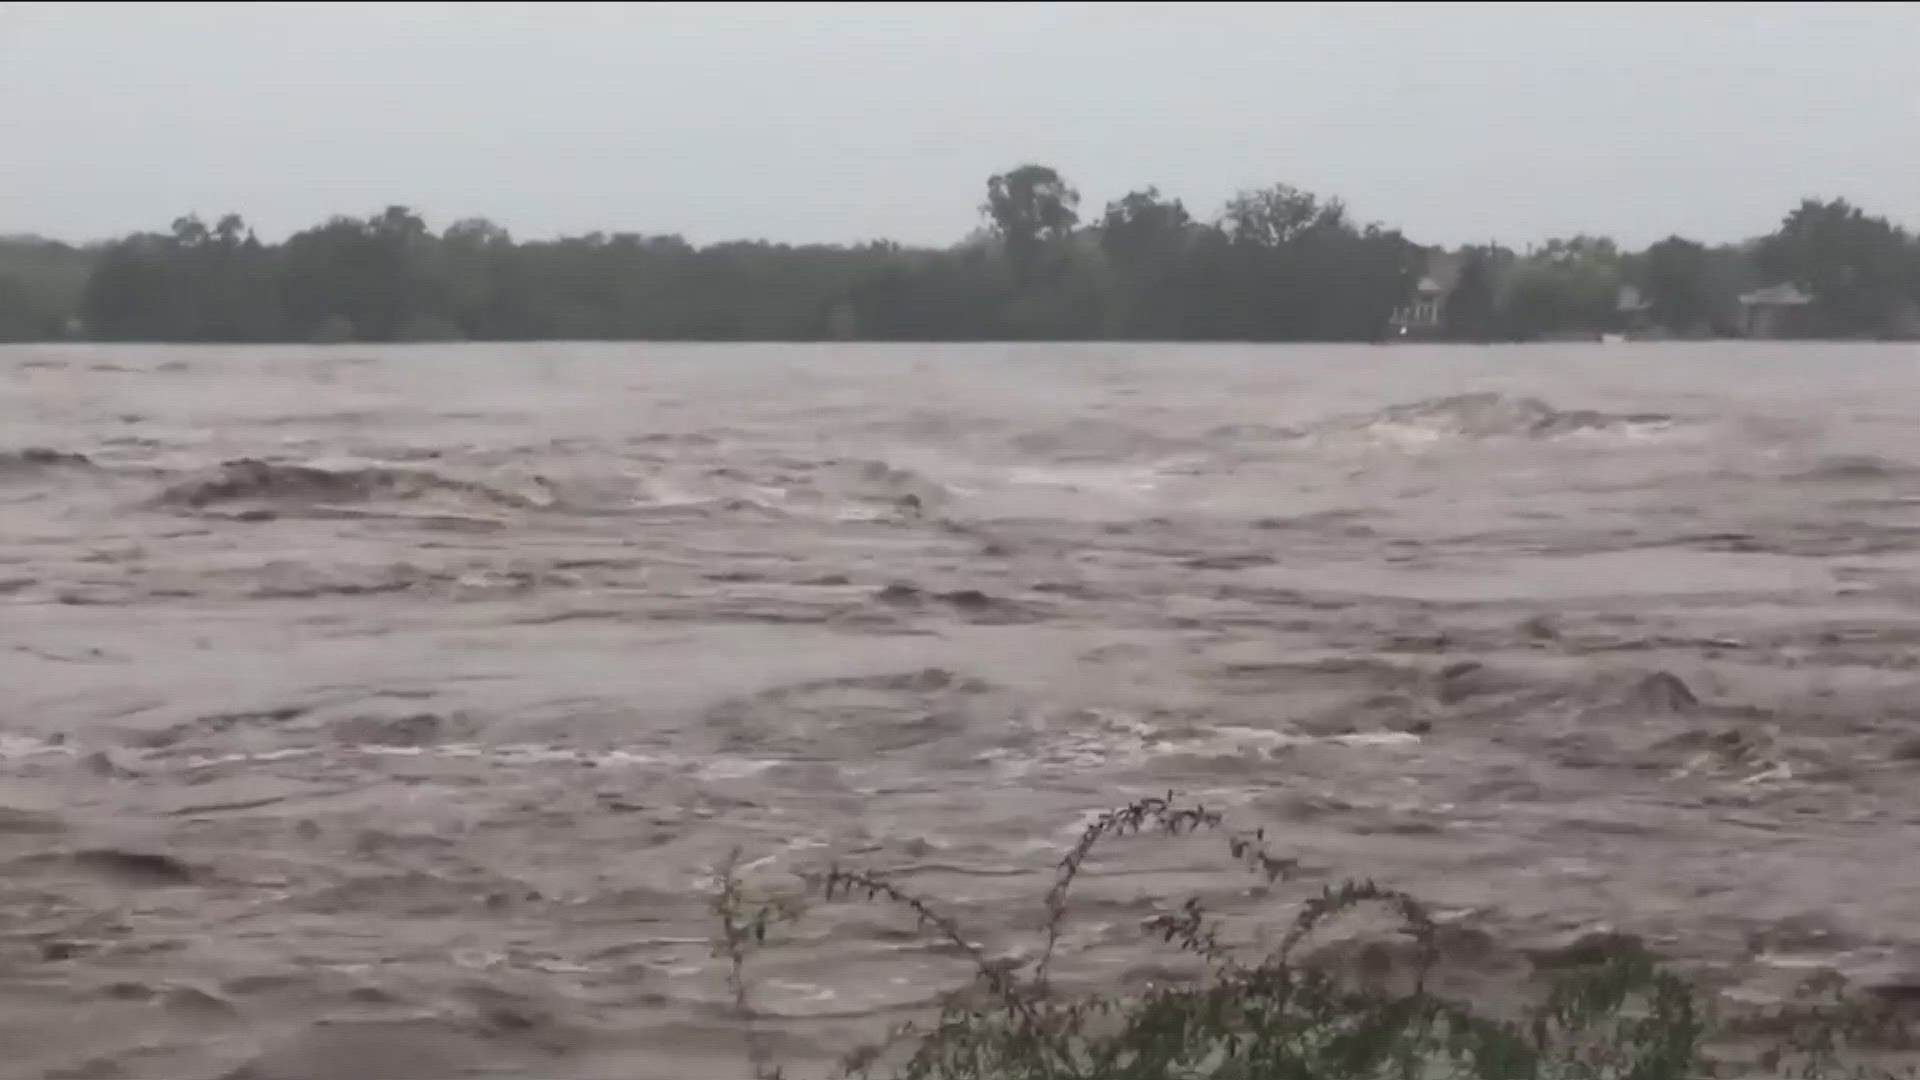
(384,712)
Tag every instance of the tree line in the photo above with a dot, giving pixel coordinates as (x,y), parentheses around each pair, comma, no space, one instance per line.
(1275,264)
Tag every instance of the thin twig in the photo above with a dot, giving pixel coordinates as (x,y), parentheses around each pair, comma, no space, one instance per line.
(1247,848)
(741,930)
(997,977)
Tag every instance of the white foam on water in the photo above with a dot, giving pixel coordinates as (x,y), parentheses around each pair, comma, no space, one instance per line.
(1491,417)
(1124,740)
(14,747)
(1097,481)
(716,767)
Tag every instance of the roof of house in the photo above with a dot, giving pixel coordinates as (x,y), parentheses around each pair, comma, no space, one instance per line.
(1783,294)
(1442,270)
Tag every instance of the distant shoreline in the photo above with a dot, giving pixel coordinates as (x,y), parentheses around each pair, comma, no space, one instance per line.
(1276,265)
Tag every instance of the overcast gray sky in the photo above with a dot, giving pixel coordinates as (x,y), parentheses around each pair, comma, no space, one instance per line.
(800,122)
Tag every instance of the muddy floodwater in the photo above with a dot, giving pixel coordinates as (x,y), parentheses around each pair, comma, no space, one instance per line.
(383,712)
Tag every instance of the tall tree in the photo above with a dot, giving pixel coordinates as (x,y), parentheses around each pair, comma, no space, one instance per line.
(1569,285)
(1676,279)
(41,285)
(1279,215)
(1030,207)
(1471,310)
(1146,239)
(1144,225)
(361,279)
(1859,269)
(1287,265)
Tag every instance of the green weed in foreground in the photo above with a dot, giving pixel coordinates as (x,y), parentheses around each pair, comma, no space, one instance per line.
(1615,1015)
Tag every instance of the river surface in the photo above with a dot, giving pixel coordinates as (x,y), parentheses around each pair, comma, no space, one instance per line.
(384,712)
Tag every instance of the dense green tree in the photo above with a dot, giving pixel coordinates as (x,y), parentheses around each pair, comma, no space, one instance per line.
(363,279)
(1676,279)
(1147,240)
(1472,308)
(25,313)
(1284,265)
(1861,270)
(1729,273)
(41,282)
(1030,207)
(1277,264)
(130,294)
(1570,285)
(1144,226)
(1279,215)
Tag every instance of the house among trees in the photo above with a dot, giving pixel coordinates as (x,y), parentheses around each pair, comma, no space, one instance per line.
(1776,311)
(1425,315)
(1635,310)
(1277,264)
(1903,323)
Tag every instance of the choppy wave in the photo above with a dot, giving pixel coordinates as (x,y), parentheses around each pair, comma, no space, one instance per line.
(1122,482)
(858,490)
(35,461)
(881,482)
(1096,439)
(1845,467)
(256,482)
(1491,416)
(318,798)
(1107,739)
